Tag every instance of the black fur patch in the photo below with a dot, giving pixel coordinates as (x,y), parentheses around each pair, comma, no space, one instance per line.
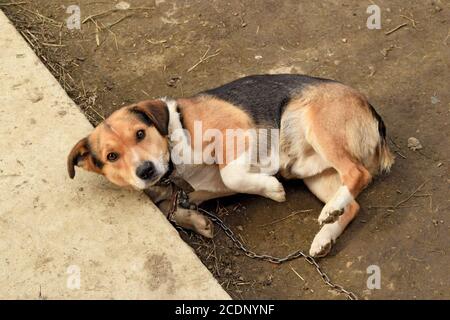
(264,97)
(381,125)
(97,162)
(142,116)
(181,117)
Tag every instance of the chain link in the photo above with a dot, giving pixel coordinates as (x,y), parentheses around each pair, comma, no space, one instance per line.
(265,257)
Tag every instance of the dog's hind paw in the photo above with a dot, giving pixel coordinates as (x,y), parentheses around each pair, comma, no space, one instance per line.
(321,245)
(329,216)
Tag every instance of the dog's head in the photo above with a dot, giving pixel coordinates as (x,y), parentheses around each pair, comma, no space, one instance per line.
(130,148)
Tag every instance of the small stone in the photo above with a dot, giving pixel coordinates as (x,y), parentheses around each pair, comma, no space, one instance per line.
(268,281)
(344,40)
(123,5)
(435,100)
(258,57)
(172,82)
(414,144)
(240,228)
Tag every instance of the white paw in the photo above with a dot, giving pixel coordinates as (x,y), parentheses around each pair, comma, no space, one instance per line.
(321,244)
(329,215)
(205,228)
(275,190)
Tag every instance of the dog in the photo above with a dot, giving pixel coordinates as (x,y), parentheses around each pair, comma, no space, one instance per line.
(327,134)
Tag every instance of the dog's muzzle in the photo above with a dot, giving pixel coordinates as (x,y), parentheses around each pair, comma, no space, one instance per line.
(146,171)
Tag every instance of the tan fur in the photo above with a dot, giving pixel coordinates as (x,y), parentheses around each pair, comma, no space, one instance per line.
(328,137)
(324,186)
(385,158)
(336,129)
(217,114)
(118,134)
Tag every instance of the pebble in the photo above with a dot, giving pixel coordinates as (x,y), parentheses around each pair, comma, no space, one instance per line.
(435,100)
(414,144)
(122,5)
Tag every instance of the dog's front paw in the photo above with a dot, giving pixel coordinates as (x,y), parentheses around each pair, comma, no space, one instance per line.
(321,245)
(329,215)
(193,220)
(275,191)
(204,227)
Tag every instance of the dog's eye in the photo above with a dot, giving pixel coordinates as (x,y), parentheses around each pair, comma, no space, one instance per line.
(140,134)
(112,156)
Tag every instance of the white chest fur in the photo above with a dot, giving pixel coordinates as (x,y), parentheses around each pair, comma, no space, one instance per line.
(201,177)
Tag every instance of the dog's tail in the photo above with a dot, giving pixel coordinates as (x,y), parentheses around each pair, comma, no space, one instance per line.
(385,158)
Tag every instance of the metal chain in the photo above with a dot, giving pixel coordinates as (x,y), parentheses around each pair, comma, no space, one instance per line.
(265,257)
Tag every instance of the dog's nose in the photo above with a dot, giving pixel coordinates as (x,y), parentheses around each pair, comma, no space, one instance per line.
(146,170)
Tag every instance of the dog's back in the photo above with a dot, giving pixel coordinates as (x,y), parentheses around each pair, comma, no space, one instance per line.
(264,97)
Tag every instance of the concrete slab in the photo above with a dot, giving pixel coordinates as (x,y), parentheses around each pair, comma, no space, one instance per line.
(80,239)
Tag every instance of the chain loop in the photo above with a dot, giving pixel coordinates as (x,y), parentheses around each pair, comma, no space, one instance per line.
(264,257)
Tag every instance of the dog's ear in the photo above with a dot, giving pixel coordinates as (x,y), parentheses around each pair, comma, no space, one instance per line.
(81,156)
(153,112)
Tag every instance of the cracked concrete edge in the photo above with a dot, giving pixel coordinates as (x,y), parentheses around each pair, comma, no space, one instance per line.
(82,238)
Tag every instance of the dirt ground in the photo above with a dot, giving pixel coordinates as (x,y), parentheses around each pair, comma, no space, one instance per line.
(121,57)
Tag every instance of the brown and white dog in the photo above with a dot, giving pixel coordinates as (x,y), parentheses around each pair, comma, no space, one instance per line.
(326,133)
